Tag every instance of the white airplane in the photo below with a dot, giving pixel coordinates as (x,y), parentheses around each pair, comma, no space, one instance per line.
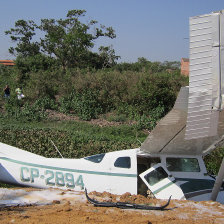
(170,160)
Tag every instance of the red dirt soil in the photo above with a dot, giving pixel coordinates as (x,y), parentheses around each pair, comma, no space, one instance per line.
(71,210)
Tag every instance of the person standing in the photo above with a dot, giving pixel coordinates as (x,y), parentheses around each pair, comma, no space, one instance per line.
(7,91)
(19,93)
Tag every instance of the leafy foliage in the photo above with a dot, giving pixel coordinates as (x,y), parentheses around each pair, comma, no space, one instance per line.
(33,63)
(140,96)
(65,42)
(74,140)
(23,111)
(23,34)
(85,104)
(214,160)
(45,103)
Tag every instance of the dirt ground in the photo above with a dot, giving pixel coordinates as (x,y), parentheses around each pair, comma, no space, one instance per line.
(76,209)
(101,121)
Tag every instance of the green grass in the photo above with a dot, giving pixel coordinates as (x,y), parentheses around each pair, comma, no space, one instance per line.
(74,139)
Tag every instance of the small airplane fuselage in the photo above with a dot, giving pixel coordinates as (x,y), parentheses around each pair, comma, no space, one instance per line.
(183,177)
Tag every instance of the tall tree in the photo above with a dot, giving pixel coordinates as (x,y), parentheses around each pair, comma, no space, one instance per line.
(23,34)
(107,56)
(69,40)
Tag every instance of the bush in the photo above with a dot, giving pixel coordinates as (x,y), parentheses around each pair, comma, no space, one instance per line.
(149,122)
(43,84)
(129,93)
(85,104)
(31,113)
(45,103)
(19,110)
(214,160)
(34,63)
(88,93)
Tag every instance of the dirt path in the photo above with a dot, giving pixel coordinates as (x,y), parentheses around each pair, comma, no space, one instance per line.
(102,122)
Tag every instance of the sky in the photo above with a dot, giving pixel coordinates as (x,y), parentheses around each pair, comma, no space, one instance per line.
(157,30)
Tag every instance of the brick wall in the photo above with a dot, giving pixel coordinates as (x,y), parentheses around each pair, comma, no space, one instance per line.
(184,69)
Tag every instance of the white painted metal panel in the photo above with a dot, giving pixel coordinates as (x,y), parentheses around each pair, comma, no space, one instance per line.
(204,84)
(222,56)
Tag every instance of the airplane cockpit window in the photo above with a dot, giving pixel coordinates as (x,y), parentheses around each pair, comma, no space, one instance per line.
(95,158)
(123,162)
(182,164)
(156,176)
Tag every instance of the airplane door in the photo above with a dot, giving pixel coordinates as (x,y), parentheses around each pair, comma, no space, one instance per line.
(161,183)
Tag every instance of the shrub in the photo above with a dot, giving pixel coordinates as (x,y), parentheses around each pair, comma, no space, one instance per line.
(19,110)
(85,104)
(149,122)
(45,103)
(31,113)
(214,160)
(88,93)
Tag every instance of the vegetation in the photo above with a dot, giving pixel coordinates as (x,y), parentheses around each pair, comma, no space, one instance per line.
(60,72)
(214,160)
(65,42)
(74,139)
(140,96)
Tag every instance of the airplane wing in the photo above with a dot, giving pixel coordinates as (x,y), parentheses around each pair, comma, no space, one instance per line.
(206,83)
(168,137)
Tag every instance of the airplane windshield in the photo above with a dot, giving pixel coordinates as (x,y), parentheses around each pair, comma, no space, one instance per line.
(95,158)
